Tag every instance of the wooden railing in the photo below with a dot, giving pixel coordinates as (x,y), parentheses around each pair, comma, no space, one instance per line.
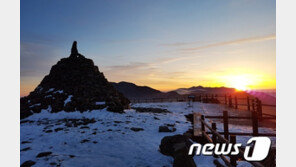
(228,136)
(230,101)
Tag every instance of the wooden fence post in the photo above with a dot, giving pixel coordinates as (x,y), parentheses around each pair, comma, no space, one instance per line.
(235,102)
(214,137)
(259,108)
(230,101)
(255,123)
(248,103)
(253,105)
(225,99)
(225,123)
(233,157)
(202,124)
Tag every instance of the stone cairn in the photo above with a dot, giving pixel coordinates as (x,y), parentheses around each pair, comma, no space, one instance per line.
(73,84)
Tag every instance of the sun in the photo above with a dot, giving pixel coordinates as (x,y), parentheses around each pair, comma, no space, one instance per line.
(240,86)
(244,80)
(240,82)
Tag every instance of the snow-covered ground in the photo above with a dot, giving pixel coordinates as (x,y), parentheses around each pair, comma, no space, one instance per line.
(106,139)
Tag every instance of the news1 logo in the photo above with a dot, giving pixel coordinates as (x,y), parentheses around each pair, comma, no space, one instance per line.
(257,149)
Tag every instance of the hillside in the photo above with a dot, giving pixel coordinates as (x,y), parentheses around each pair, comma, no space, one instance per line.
(133,91)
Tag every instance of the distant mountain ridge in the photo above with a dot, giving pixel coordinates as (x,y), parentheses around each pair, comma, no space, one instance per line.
(133,91)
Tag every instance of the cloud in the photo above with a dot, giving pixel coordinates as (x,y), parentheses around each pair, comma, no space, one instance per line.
(128,67)
(233,42)
(178,43)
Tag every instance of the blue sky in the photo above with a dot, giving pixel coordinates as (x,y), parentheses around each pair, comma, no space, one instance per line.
(165,44)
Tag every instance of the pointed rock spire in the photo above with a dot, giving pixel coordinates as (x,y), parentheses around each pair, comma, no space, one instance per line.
(74,50)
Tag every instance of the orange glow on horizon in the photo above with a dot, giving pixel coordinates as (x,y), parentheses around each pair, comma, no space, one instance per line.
(239,79)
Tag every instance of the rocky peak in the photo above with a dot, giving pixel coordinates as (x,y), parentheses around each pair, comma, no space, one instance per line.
(73,84)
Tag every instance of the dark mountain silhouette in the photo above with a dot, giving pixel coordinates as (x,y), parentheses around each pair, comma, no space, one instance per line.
(74,83)
(133,91)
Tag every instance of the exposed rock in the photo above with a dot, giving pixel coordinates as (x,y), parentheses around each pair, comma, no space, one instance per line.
(151,110)
(189,117)
(48,131)
(156,118)
(53,163)
(217,163)
(177,146)
(24,142)
(166,129)
(28,163)
(84,127)
(26,149)
(58,129)
(170,125)
(26,121)
(73,84)
(44,154)
(84,141)
(137,129)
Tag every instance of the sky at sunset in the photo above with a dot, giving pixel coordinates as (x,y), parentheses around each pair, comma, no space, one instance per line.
(164,44)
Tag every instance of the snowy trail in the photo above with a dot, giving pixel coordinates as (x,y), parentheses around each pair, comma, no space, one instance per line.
(105,139)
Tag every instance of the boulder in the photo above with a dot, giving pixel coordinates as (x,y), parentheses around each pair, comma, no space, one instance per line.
(177,146)
(28,163)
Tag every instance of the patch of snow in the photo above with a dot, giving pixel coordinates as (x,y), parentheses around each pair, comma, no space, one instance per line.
(68,100)
(50,90)
(34,105)
(100,103)
(111,141)
(59,91)
(47,96)
(39,88)
(117,144)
